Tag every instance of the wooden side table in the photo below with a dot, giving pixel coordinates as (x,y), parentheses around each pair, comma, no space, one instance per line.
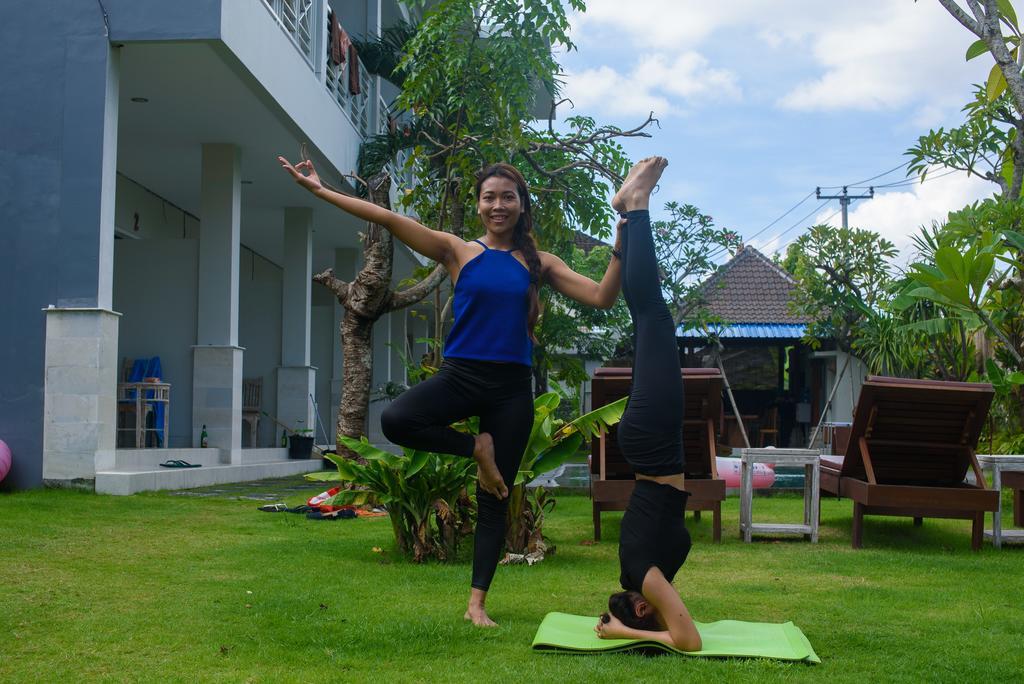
(140,398)
(809,459)
(1013,467)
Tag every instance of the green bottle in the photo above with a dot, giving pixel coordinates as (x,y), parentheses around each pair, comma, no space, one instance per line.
(204,439)
(284,438)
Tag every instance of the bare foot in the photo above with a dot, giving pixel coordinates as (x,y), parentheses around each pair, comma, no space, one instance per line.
(617,203)
(478,616)
(487,469)
(635,192)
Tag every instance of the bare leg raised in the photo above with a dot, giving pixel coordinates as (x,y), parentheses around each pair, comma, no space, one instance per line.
(635,192)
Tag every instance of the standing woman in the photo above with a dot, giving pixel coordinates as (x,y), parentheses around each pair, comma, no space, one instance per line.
(486,370)
(653,540)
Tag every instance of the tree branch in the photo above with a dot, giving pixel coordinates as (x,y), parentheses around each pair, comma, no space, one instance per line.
(970,24)
(411,295)
(339,287)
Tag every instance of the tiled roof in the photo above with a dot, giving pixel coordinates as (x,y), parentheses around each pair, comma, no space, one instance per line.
(751,289)
(586,242)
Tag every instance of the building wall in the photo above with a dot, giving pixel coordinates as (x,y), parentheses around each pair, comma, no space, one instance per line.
(141,214)
(155,288)
(54,60)
(259,333)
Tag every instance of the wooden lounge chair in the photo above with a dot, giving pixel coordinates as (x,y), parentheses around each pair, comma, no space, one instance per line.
(1015,480)
(611,476)
(910,447)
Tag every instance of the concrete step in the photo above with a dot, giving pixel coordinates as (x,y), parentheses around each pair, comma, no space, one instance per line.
(131,480)
(151,458)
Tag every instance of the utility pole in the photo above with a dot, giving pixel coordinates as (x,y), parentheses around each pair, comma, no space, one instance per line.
(845,199)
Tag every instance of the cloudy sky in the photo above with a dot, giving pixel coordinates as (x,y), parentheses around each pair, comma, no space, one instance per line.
(760,101)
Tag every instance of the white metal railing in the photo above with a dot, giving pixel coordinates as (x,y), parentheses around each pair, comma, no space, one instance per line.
(358,107)
(299,20)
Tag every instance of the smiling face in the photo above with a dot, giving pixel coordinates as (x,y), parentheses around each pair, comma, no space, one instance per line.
(499,205)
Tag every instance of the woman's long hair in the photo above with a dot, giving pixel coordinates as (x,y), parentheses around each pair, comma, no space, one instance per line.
(623,606)
(522,236)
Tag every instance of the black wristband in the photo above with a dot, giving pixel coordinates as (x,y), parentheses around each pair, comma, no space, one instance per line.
(617,254)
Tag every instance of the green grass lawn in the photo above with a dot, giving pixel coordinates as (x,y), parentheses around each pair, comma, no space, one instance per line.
(170,588)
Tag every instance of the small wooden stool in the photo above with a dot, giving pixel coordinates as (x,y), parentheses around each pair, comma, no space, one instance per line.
(1007,471)
(809,459)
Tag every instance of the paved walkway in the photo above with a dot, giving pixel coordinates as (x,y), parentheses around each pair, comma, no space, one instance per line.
(275,489)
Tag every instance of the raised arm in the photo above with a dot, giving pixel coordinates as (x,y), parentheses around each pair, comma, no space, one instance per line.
(664,597)
(581,288)
(432,244)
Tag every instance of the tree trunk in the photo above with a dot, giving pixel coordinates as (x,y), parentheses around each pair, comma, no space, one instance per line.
(357,375)
(365,300)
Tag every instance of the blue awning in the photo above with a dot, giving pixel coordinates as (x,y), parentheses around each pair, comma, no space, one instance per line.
(761,331)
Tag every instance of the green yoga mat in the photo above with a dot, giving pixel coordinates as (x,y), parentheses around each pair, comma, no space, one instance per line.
(562,633)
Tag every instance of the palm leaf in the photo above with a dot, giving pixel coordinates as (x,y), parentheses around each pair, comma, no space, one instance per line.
(594,423)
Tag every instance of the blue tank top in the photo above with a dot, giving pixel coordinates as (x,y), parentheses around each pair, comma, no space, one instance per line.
(490,307)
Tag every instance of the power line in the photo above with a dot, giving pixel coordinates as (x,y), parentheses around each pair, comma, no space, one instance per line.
(860,182)
(914,181)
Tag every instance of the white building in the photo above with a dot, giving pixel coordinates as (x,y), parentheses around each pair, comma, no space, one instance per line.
(143,213)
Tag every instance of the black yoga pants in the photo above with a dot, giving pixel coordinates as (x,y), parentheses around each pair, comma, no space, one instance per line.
(502,395)
(651,430)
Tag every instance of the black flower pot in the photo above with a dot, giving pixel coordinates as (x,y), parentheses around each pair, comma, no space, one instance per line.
(299,446)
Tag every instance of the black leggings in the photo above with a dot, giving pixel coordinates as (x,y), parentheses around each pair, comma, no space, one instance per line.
(651,429)
(502,395)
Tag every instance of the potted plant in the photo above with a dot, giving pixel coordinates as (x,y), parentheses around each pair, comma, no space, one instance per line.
(300,441)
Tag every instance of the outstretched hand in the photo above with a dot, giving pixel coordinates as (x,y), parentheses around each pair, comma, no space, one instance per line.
(303,173)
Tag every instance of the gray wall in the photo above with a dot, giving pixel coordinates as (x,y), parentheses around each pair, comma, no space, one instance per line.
(259,332)
(53,74)
(155,289)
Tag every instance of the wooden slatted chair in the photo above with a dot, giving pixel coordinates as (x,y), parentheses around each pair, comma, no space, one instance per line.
(252,402)
(911,445)
(612,478)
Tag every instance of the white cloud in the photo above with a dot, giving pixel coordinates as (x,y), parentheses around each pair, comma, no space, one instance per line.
(885,60)
(655,83)
(870,55)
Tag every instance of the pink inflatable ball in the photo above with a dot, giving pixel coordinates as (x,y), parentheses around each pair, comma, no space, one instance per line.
(5,460)
(729,470)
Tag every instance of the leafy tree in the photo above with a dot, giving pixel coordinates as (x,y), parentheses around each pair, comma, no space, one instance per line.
(842,273)
(468,75)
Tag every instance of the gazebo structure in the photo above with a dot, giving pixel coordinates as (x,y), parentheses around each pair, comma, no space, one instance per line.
(776,379)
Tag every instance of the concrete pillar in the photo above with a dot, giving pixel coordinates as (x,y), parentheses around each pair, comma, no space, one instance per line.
(217,360)
(80,398)
(296,379)
(80,360)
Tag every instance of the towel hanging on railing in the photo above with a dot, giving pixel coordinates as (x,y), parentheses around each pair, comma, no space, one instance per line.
(340,43)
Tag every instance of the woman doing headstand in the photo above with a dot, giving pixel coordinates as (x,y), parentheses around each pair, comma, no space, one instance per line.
(653,541)
(486,371)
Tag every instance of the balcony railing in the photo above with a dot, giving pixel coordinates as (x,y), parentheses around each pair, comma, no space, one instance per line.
(298,19)
(304,21)
(356,106)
